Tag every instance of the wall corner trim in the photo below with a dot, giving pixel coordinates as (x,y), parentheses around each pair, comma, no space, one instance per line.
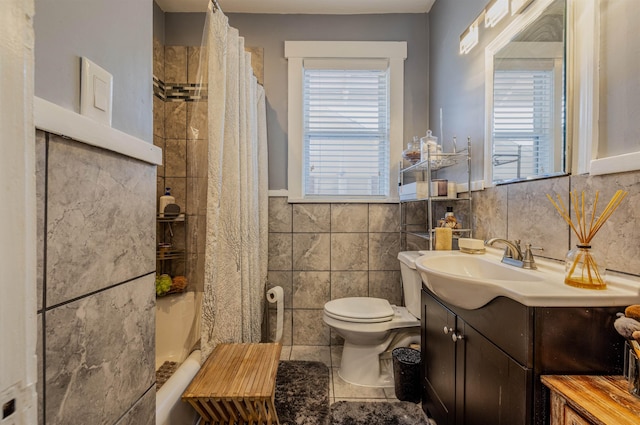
(55,119)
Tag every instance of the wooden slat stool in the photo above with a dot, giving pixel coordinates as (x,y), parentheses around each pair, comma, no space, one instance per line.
(237,383)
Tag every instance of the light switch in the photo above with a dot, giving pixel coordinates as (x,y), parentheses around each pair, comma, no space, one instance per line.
(96,91)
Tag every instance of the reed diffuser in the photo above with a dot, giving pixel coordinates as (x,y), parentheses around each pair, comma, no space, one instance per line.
(581,268)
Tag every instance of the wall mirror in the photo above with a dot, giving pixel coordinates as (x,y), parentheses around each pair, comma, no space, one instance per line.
(525,96)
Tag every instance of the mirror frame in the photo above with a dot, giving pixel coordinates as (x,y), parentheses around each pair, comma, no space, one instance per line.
(520,22)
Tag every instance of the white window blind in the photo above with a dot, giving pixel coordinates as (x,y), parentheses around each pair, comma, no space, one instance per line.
(346,130)
(523,123)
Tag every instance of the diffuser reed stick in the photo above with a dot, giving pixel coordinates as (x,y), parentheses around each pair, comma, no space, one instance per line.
(581,269)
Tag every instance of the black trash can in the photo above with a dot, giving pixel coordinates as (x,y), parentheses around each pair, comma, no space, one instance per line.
(406,374)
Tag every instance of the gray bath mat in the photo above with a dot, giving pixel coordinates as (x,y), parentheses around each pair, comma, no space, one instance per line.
(377,413)
(302,393)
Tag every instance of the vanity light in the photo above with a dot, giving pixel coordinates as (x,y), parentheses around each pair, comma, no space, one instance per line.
(469,38)
(517,6)
(495,11)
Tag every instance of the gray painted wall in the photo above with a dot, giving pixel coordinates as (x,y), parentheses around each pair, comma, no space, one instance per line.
(158,22)
(271,31)
(116,35)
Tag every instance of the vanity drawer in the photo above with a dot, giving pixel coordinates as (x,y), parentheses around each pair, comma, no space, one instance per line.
(571,417)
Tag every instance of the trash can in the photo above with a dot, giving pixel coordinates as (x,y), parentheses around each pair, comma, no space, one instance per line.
(406,374)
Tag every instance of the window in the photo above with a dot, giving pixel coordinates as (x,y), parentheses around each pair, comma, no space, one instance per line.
(345,120)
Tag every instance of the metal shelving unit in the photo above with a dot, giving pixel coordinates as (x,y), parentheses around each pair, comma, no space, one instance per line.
(426,171)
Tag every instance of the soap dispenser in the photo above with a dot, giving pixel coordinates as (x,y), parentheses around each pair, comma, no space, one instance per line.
(165,200)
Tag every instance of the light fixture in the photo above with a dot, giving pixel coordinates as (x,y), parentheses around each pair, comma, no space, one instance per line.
(495,11)
(469,38)
(517,6)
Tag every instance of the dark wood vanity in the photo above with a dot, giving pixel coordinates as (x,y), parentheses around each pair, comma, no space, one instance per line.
(483,366)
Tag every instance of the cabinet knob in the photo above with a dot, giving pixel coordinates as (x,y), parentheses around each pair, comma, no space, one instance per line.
(456,337)
(447,329)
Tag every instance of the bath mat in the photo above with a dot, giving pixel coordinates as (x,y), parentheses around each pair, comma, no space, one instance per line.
(377,413)
(164,372)
(302,393)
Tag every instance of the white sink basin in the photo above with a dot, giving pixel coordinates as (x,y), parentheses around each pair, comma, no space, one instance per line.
(471,281)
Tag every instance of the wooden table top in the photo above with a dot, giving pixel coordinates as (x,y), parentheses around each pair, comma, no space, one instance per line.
(602,399)
(241,371)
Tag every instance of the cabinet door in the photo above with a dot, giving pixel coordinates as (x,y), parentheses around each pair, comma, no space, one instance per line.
(439,358)
(492,388)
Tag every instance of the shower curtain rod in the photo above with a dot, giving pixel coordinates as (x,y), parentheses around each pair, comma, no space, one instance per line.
(215,6)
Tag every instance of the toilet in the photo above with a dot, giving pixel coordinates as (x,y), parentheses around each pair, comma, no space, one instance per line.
(372,327)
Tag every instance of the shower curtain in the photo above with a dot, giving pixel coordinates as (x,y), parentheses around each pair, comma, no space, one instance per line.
(235,269)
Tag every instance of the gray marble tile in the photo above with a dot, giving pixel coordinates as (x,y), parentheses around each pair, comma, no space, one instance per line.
(41,174)
(311,289)
(158,58)
(197,69)
(311,353)
(283,279)
(280,245)
(197,118)
(384,218)
(143,412)
(335,339)
(349,284)
(533,219)
(159,142)
(386,285)
(336,356)
(175,120)
(100,348)
(40,373)
(344,390)
(617,241)
(415,243)
(175,64)
(287,330)
(158,117)
(196,195)
(197,161)
(308,328)
(100,219)
(312,218)
(311,251)
(349,251)
(175,158)
(280,215)
(349,218)
(490,213)
(195,271)
(383,251)
(416,213)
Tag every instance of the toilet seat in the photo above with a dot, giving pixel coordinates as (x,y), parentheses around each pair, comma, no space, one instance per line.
(360,310)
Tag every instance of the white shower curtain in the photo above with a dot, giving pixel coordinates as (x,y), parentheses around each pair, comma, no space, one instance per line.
(237,204)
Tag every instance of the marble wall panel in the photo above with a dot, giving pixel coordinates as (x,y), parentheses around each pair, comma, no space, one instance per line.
(387,285)
(175,158)
(284,279)
(197,161)
(158,117)
(311,251)
(349,218)
(349,284)
(312,218)
(178,186)
(100,219)
(197,119)
(40,363)
(280,215)
(175,120)
(617,241)
(197,69)
(143,412)
(490,213)
(196,196)
(349,251)
(160,142)
(280,248)
(309,328)
(532,218)
(41,175)
(158,58)
(383,251)
(100,354)
(311,289)
(175,64)
(384,218)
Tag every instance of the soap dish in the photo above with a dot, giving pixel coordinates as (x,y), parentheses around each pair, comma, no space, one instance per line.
(471,246)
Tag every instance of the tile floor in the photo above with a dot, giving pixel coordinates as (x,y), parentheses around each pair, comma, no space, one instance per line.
(339,390)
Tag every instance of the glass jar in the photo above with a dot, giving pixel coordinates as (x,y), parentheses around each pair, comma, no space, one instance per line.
(412,153)
(583,270)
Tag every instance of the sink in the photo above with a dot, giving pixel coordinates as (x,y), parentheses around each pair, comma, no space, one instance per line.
(471,281)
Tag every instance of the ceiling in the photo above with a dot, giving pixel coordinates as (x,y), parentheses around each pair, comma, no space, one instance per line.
(337,7)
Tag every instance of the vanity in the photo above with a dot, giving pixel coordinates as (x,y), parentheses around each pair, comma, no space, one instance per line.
(484,355)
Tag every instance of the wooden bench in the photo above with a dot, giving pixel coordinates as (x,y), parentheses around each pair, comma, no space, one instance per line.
(237,384)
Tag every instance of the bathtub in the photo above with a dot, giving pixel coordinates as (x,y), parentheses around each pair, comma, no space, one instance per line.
(177,331)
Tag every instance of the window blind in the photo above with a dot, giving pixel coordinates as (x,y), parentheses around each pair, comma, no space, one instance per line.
(346,131)
(523,123)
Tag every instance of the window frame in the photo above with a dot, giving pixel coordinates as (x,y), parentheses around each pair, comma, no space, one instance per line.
(296,52)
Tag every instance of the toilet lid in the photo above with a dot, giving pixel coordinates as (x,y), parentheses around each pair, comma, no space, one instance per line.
(360,309)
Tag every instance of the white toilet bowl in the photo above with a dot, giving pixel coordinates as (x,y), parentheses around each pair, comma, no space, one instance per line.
(371,326)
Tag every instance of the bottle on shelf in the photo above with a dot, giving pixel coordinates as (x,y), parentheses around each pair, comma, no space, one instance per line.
(165,200)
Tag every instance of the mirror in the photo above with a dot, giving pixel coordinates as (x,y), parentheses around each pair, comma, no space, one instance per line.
(526,92)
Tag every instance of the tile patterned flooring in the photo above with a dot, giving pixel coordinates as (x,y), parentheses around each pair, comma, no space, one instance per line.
(339,390)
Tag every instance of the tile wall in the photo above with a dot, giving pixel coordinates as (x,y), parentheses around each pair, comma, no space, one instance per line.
(96,298)
(522,211)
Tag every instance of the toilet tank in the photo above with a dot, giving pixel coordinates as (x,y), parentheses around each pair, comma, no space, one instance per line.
(411,281)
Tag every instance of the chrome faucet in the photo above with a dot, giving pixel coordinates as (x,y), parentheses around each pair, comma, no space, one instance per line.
(512,254)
